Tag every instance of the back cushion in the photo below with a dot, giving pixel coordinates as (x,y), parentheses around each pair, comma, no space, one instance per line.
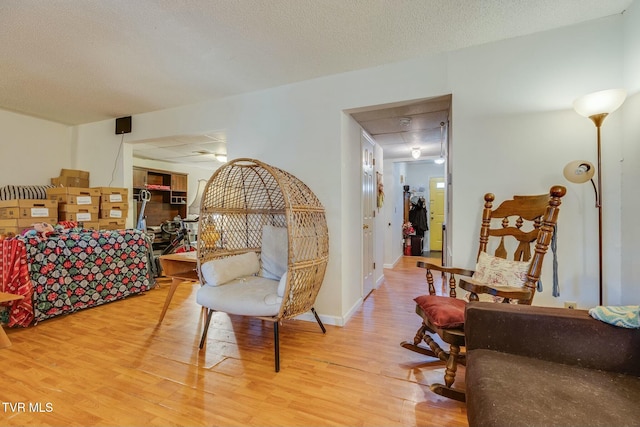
(220,271)
(275,252)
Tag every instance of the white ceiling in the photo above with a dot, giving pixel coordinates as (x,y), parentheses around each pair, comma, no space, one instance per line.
(80,61)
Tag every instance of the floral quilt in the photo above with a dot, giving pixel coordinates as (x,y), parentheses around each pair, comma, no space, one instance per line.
(85,268)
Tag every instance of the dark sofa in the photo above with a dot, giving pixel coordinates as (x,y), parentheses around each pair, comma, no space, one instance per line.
(542,366)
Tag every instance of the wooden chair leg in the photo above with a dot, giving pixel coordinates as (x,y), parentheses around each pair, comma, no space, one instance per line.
(276,344)
(313,310)
(206,327)
(4,339)
(447,389)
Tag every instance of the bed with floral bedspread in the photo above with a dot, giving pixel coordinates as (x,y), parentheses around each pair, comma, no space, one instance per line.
(71,270)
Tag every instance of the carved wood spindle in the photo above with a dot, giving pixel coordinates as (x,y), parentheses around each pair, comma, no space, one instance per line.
(452,285)
(432,289)
(452,365)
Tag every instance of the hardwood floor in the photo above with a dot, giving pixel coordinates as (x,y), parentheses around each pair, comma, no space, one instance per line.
(113,365)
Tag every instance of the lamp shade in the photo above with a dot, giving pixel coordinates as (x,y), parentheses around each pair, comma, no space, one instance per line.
(579,171)
(602,102)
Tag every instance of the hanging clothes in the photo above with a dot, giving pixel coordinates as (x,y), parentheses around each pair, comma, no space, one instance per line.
(420,222)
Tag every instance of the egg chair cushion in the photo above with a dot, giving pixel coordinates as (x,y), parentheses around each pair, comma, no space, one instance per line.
(244,296)
(223,270)
(275,252)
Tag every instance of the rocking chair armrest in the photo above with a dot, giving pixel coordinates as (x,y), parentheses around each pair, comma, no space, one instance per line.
(450,270)
(555,334)
(511,292)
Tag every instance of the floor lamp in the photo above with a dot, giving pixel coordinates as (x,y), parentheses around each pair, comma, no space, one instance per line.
(596,106)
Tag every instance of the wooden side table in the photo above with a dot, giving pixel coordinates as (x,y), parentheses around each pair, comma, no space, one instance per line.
(180,267)
(5,297)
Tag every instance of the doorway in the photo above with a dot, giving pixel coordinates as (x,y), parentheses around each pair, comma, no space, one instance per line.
(405,133)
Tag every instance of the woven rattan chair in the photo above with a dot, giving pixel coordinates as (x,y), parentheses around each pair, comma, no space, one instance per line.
(249,206)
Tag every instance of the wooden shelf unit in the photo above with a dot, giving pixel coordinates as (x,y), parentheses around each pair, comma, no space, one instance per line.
(168,194)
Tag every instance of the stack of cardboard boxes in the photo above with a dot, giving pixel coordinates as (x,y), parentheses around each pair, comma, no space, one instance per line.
(77,204)
(18,214)
(114,207)
(103,208)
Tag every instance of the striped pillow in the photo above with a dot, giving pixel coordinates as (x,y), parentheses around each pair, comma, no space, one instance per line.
(9,192)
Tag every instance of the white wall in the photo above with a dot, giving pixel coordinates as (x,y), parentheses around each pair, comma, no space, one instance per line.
(32,150)
(514,131)
(631,159)
(394,178)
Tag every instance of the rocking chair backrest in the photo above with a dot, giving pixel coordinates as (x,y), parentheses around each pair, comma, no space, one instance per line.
(241,198)
(521,229)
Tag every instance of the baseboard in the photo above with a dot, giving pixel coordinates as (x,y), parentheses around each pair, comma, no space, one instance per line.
(379,282)
(327,320)
(394,263)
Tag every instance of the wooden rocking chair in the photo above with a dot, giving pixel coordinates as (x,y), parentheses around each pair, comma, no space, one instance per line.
(510,281)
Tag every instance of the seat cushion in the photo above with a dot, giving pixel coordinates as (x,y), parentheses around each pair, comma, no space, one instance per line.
(506,389)
(246,296)
(443,312)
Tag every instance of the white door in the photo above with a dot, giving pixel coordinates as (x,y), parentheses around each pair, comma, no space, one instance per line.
(368,213)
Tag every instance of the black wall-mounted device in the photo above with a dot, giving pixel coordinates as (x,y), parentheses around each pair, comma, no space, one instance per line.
(123,125)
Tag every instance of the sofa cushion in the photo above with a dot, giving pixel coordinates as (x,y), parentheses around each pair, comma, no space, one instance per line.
(506,389)
(245,296)
(444,312)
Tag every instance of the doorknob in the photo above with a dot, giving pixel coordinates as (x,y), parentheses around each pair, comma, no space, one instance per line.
(364,227)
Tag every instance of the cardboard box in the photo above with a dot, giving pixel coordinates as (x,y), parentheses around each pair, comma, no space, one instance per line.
(16,226)
(79,213)
(93,225)
(75,173)
(70,181)
(113,195)
(114,210)
(28,208)
(112,224)
(74,195)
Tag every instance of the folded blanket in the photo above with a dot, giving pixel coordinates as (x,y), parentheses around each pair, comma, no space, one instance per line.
(14,279)
(623,316)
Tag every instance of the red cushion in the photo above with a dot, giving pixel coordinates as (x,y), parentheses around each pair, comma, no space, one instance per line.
(443,312)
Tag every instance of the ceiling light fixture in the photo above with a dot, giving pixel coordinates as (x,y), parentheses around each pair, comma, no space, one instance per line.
(440,160)
(415,152)
(405,121)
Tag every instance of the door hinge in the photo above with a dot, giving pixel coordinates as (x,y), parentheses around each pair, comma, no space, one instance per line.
(374,265)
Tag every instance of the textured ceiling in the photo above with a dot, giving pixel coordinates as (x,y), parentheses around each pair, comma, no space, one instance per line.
(79,61)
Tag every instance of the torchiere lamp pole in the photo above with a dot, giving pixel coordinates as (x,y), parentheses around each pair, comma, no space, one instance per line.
(596,106)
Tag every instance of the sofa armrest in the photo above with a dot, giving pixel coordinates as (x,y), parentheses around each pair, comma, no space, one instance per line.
(554,334)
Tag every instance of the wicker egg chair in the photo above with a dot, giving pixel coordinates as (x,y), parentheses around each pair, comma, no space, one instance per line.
(251,207)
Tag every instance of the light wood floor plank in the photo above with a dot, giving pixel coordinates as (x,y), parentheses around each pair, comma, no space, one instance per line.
(113,365)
